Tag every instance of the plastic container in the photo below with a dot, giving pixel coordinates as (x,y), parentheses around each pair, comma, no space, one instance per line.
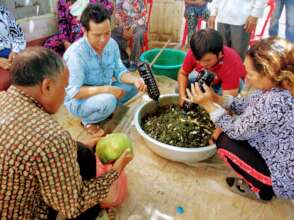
(118,189)
(168,63)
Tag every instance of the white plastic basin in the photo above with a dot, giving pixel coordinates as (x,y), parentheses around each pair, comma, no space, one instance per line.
(179,154)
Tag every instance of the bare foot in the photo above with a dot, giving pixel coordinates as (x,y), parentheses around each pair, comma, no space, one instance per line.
(94,129)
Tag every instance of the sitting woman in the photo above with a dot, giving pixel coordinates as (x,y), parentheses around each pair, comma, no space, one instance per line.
(12,41)
(130,17)
(69,27)
(258,142)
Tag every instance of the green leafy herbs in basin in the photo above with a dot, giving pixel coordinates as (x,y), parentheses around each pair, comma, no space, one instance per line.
(171,125)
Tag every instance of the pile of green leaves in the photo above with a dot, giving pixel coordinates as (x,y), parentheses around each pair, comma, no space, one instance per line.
(172,125)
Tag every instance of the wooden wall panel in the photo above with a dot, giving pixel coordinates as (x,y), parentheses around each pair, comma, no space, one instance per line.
(166,20)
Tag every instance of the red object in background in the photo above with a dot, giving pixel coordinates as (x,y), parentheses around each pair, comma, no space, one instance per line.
(185,34)
(117,190)
(149,5)
(4,79)
(255,37)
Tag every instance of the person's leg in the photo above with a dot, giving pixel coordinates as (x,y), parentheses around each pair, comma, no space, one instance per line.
(93,109)
(130,91)
(117,35)
(240,39)
(138,38)
(248,163)
(289,5)
(274,22)
(224,30)
(192,21)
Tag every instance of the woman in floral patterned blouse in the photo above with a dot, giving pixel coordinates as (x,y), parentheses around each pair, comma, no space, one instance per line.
(258,142)
(69,27)
(12,41)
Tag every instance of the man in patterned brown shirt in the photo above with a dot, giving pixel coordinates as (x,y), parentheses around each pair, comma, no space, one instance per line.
(38,158)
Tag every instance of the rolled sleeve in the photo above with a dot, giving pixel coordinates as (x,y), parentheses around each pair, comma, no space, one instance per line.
(189,63)
(77,69)
(120,68)
(215,115)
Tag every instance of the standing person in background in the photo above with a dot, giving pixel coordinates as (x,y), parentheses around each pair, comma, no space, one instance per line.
(69,26)
(274,24)
(237,19)
(130,17)
(12,41)
(194,10)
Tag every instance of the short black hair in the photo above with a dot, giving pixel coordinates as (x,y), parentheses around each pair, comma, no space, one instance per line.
(95,13)
(206,41)
(34,64)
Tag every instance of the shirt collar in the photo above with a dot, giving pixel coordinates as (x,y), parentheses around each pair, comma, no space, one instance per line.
(91,49)
(22,95)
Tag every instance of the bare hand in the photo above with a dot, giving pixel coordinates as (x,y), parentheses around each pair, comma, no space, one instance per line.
(12,56)
(4,63)
(195,95)
(123,161)
(250,24)
(92,140)
(117,92)
(140,85)
(211,22)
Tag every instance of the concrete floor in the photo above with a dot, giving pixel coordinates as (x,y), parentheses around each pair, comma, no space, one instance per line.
(157,187)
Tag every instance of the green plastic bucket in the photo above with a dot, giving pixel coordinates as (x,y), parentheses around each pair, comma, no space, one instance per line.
(168,63)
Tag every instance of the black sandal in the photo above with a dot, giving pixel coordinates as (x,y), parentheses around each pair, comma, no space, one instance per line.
(239,186)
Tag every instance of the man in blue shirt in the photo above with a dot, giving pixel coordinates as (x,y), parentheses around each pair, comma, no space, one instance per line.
(98,80)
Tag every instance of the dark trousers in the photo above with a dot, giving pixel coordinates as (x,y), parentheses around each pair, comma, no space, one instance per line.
(235,36)
(247,162)
(87,163)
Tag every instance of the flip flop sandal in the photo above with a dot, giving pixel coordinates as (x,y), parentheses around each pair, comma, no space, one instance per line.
(239,186)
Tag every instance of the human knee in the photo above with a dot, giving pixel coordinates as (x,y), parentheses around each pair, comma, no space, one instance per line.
(131,91)
(109,105)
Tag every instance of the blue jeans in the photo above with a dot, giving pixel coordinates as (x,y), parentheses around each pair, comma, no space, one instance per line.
(5,52)
(274,24)
(99,107)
